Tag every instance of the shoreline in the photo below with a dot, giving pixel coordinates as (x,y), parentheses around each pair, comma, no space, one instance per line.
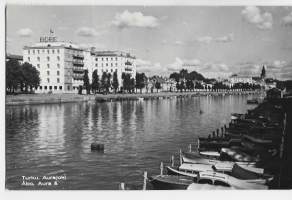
(34,99)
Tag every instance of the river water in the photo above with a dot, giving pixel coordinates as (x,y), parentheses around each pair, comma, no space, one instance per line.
(54,140)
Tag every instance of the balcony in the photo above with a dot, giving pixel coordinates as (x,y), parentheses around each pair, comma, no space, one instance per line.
(128,69)
(78,63)
(128,63)
(78,56)
(77,76)
(78,70)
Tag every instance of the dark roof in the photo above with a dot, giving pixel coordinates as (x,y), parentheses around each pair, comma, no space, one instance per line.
(13,56)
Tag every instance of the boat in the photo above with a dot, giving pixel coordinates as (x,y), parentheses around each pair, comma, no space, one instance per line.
(233,170)
(214,154)
(258,140)
(196,186)
(235,116)
(236,155)
(224,180)
(192,157)
(252,101)
(170,182)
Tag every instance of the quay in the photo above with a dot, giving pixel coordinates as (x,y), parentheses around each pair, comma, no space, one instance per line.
(34,99)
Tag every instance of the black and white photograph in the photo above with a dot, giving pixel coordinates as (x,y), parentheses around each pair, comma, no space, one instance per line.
(147,97)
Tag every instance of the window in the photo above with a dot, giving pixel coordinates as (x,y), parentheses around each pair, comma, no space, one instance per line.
(28,58)
(58,73)
(38,51)
(48,65)
(96,59)
(48,72)
(116,70)
(50,87)
(116,58)
(48,58)
(221,183)
(58,51)
(58,65)
(28,51)
(111,70)
(38,65)
(33,51)
(106,59)
(55,87)
(53,51)
(95,64)
(43,50)
(48,51)
(116,64)
(58,80)
(111,64)
(38,58)
(41,87)
(107,70)
(102,59)
(60,87)
(58,58)
(68,87)
(48,80)
(102,64)
(111,58)
(106,64)
(46,87)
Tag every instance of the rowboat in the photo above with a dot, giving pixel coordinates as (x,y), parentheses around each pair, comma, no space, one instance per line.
(224,180)
(234,170)
(191,157)
(236,155)
(258,140)
(170,182)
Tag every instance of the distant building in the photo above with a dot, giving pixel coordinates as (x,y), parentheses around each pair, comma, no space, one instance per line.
(263,73)
(62,64)
(240,79)
(19,58)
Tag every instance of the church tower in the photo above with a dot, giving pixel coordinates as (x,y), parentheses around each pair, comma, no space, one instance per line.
(263,73)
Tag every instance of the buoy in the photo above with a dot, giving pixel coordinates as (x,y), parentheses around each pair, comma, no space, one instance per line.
(97,147)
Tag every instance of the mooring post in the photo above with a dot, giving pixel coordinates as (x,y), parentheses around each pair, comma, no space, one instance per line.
(213,134)
(161,168)
(198,142)
(222,131)
(190,148)
(145,180)
(172,161)
(217,132)
(180,157)
(122,186)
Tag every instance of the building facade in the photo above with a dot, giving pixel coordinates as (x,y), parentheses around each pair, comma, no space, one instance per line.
(240,79)
(62,64)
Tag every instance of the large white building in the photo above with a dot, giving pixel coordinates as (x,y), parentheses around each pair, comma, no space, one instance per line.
(62,64)
(240,79)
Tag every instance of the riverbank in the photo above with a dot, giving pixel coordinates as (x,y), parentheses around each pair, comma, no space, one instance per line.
(32,99)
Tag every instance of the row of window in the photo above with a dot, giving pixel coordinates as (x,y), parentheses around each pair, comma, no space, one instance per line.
(48,80)
(107,59)
(38,51)
(50,87)
(48,58)
(107,64)
(58,73)
(48,66)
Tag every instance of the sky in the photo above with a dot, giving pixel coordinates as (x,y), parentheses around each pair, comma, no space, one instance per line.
(215,41)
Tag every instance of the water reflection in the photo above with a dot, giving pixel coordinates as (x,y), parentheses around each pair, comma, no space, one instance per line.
(137,136)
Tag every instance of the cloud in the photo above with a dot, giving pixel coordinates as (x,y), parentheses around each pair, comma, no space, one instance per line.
(134,19)
(179,43)
(25,32)
(86,32)
(222,39)
(205,39)
(225,39)
(287,20)
(253,15)
(148,67)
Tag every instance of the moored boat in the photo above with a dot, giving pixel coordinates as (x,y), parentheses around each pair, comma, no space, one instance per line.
(170,182)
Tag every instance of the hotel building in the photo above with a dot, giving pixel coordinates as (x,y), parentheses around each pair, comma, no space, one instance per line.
(62,64)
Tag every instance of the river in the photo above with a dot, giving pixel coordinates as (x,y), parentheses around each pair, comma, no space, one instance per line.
(54,140)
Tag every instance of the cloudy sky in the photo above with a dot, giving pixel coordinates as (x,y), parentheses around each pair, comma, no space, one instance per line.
(215,41)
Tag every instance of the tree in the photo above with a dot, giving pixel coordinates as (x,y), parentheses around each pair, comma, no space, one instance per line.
(29,77)
(103,81)
(140,81)
(157,85)
(108,81)
(183,73)
(13,75)
(115,81)
(86,81)
(95,85)
(175,76)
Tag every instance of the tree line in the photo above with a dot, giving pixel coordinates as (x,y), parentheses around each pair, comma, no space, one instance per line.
(109,82)
(21,77)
